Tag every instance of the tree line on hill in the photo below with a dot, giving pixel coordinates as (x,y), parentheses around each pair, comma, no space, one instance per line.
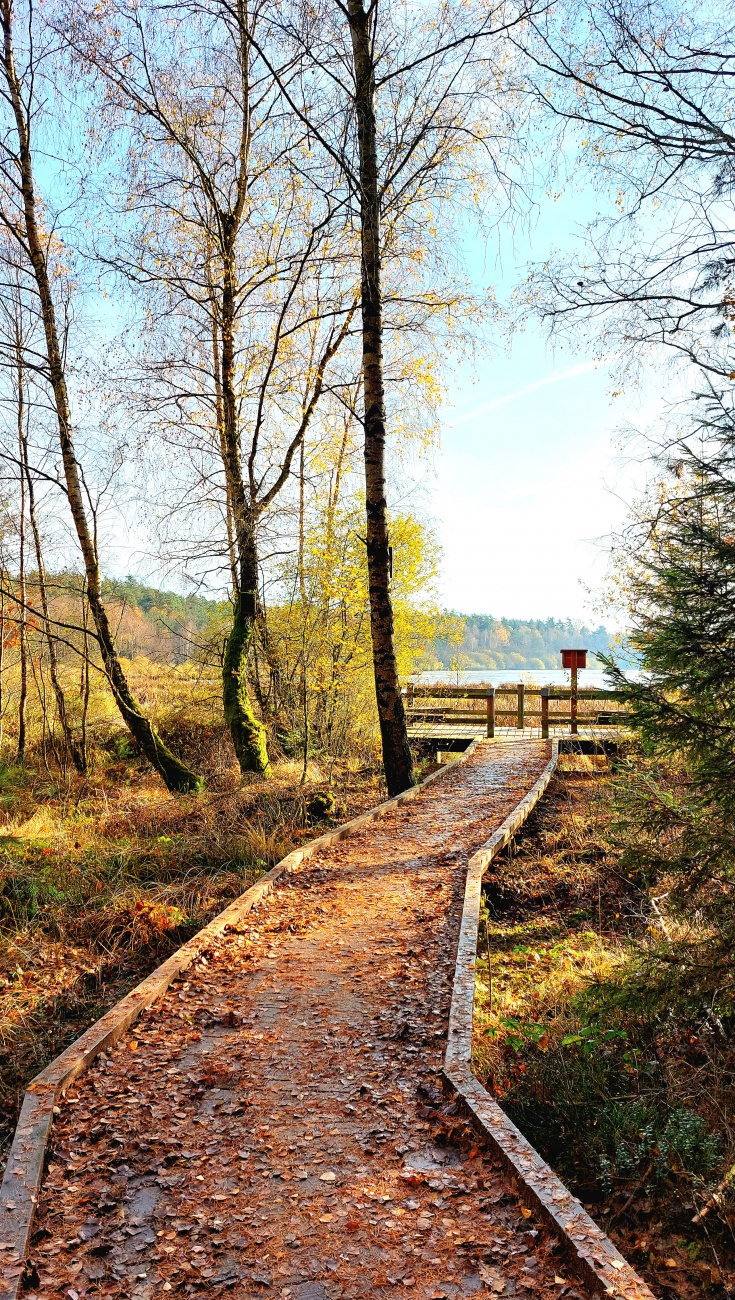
(493,643)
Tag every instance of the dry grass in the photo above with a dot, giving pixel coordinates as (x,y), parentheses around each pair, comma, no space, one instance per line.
(630,1104)
(102,877)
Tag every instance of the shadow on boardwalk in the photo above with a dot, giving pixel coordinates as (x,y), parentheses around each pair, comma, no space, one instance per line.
(275,1126)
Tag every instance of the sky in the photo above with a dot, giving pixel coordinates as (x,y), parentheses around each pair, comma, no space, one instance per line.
(530,479)
(529,482)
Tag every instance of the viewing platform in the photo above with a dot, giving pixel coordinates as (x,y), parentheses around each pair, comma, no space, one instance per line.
(448,718)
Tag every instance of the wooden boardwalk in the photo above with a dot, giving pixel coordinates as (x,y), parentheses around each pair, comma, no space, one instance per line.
(275,1124)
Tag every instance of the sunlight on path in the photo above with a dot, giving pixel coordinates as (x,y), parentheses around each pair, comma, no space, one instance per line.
(276,1126)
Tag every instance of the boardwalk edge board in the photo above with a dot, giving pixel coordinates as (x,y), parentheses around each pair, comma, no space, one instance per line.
(24,1170)
(593,1256)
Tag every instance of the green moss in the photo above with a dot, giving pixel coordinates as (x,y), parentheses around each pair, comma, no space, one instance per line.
(247,731)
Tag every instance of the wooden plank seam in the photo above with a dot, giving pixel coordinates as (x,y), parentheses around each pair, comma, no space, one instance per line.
(589,1250)
(24,1170)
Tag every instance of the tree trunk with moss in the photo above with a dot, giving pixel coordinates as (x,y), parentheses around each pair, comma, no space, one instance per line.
(247,731)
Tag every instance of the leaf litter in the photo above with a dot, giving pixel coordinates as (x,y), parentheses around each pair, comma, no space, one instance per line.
(277,1126)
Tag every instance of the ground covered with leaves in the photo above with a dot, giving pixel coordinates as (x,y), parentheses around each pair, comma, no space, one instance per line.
(275,1126)
(629,1099)
(102,877)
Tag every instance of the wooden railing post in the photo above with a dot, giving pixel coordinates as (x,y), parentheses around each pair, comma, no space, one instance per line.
(544,713)
(521,722)
(491,712)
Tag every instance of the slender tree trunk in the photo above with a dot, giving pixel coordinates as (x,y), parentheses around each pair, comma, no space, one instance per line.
(46,730)
(304,615)
(274,699)
(23,635)
(2,659)
(74,750)
(328,705)
(84,679)
(397,761)
(175,774)
(220,417)
(247,731)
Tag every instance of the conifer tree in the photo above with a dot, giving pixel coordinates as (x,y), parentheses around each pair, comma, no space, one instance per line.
(681,596)
(676,802)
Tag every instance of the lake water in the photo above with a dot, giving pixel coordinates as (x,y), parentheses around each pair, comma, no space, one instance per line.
(592,677)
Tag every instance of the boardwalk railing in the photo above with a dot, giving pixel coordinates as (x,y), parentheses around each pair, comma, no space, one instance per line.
(532,706)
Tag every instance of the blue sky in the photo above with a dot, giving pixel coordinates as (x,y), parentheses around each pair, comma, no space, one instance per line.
(530,478)
(529,481)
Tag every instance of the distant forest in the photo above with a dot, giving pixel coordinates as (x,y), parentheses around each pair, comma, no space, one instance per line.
(165,626)
(517,643)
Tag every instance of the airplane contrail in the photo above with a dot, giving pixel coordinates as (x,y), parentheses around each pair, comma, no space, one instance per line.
(582,368)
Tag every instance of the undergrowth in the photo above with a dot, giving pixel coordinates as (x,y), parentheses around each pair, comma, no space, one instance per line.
(625,1088)
(102,877)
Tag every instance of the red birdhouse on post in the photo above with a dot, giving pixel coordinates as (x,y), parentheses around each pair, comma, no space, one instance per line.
(574,659)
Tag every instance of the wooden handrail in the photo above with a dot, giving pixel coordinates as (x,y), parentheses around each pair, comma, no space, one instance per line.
(434,713)
(508,688)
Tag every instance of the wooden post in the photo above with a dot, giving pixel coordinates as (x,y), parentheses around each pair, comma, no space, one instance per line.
(544,713)
(521,721)
(573,659)
(491,712)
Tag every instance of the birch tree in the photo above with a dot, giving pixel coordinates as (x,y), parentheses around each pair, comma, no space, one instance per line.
(236,260)
(19,329)
(22,215)
(414,106)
